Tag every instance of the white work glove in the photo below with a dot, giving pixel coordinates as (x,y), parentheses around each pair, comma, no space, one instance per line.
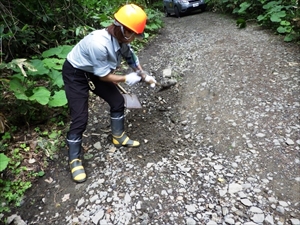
(132,78)
(147,78)
(150,80)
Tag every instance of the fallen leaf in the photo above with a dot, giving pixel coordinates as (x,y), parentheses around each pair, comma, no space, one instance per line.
(66,197)
(31,161)
(49,181)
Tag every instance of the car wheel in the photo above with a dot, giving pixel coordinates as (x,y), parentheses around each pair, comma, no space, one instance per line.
(166,12)
(177,13)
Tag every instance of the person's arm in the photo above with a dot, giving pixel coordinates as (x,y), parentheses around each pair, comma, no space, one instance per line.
(138,68)
(130,57)
(113,78)
(130,79)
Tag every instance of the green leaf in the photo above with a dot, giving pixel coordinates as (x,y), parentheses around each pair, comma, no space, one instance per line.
(105,23)
(283,30)
(261,17)
(56,78)
(25,27)
(146,35)
(65,49)
(53,63)
(39,66)
(58,99)
(3,161)
(289,37)
(270,5)
(51,52)
(41,95)
(41,173)
(244,6)
(285,23)
(17,87)
(276,17)
(19,76)
(77,31)
(60,51)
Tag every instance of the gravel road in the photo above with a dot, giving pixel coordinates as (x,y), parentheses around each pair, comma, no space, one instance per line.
(219,147)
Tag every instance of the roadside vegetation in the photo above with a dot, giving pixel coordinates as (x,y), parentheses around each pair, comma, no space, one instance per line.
(280,16)
(35,38)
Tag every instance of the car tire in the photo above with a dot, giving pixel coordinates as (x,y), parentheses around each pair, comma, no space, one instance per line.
(177,13)
(166,12)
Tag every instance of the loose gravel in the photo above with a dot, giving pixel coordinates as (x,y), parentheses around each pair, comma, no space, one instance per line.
(220,147)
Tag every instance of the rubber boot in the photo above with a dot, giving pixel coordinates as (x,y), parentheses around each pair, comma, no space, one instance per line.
(76,167)
(119,137)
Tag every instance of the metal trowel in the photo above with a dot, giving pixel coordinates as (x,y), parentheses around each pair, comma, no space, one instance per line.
(131,100)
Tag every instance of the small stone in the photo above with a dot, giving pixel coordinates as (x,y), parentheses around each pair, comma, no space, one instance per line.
(254,209)
(190,221)
(149,165)
(225,211)
(276,142)
(234,187)
(283,203)
(167,73)
(218,167)
(97,145)
(242,194)
(138,205)
(80,202)
(181,181)
(289,141)
(229,220)
(280,209)
(127,198)
(191,208)
(295,221)
(249,145)
(260,135)
(246,202)
(179,198)
(222,192)
(94,198)
(272,199)
(98,216)
(258,218)
(269,219)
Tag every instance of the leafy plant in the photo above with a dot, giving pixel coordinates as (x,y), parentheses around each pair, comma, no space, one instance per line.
(278,15)
(39,80)
(3,161)
(12,193)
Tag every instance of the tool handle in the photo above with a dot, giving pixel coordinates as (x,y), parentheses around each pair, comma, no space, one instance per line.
(121,88)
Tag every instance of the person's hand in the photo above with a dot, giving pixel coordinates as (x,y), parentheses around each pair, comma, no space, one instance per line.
(132,78)
(150,80)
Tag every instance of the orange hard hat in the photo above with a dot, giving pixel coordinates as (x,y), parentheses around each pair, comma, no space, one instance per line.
(132,17)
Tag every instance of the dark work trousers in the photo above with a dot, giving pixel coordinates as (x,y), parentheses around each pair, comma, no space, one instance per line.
(77,92)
